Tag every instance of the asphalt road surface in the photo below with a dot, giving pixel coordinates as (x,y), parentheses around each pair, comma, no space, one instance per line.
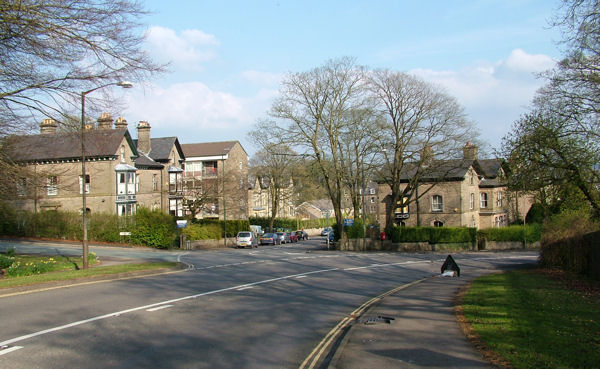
(232,308)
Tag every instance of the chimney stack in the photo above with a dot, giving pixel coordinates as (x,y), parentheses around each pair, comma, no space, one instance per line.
(427,155)
(143,143)
(120,123)
(470,151)
(48,127)
(105,121)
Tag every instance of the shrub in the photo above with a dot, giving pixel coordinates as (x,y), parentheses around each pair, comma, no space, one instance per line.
(356,230)
(434,234)
(6,261)
(209,231)
(8,224)
(568,224)
(104,228)
(512,233)
(153,228)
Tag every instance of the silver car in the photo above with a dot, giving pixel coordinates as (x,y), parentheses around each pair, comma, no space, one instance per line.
(283,237)
(246,239)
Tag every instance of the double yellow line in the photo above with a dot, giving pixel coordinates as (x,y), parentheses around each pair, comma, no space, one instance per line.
(315,356)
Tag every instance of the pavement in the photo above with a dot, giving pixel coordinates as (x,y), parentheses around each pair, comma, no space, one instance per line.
(423,333)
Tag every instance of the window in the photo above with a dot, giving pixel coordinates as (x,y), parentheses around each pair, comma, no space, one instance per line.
(126,209)
(52,186)
(21,187)
(499,199)
(154,182)
(471,177)
(438,223)
(437,203)
(472,201)
(372,200)
(483,200)
(122,153)
(372,191)
(87,184)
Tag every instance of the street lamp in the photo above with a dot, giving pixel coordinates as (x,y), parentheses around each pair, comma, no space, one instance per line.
(124,84)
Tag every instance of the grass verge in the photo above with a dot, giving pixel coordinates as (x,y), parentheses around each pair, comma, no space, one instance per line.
(532,320)
(75,274)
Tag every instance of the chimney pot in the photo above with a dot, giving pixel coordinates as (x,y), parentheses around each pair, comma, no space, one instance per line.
(105,121)
(48,126)
(121,123)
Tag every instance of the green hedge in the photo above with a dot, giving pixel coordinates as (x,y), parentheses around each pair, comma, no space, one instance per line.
(580,254)
(516,233)
(292,223)
(356,230)
(232,226)
(211,231)
(434,235)
(150,228)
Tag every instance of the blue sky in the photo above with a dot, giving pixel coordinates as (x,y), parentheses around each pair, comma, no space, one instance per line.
(227,57)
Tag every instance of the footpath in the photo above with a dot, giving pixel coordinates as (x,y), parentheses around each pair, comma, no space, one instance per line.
(423,332)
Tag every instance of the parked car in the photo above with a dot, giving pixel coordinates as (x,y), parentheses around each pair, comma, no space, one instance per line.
(331,236)
(293,236)
(269,239)
(302,235)
(283,237)
(326,231)
(245,239)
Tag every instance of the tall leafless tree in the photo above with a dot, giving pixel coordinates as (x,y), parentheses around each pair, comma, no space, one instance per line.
(420,120)
(315,106)
(51,50)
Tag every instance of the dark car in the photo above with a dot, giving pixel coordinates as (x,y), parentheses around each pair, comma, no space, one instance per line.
(331,236)
(283,237)
(302,235)
(269,239)
(326,231)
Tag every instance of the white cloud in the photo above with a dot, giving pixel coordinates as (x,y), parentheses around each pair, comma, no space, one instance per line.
(195,113)
(186,50)
(494,94)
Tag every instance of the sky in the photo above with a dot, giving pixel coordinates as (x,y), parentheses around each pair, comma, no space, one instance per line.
(227,58)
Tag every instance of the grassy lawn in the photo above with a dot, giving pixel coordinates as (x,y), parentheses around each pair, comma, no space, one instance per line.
(535,321)
(32,269)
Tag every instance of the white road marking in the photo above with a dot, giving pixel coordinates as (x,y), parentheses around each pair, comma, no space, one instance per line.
(127,311)
(159,308)
(244,288)
(9,350)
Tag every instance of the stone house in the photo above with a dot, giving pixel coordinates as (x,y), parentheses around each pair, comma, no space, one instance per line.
(260,196)
(216,180)
(467,192)
(118,178)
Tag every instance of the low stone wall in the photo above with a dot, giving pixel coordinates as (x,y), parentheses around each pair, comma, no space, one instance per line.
(387,245)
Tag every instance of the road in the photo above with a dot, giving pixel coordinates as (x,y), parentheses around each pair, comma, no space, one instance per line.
(248,308)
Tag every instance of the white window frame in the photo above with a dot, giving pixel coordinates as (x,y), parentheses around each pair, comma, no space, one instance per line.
(472,201)
(87,184)
(499,199)
(483,200)
(437,203)
(52,186)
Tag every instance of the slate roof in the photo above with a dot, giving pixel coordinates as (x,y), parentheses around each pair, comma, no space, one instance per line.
(456,170)
(208,148)
(160,148)
(144,162)
(66,145)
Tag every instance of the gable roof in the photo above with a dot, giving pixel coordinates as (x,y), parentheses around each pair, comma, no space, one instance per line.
(160,148)
(67,145)
(456,170)
(208,148)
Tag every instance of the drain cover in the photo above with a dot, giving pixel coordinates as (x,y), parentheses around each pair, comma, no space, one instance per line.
(377,319)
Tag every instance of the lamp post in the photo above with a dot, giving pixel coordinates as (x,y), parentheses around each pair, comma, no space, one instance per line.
(123,84)
(224,206)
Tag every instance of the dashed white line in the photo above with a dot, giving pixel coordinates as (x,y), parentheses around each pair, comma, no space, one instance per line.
(159,308)
(9,350)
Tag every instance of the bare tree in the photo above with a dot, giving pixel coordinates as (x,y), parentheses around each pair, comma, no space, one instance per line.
(361,149)
(315,105)
(51,50)
(273,165)
(420,120)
